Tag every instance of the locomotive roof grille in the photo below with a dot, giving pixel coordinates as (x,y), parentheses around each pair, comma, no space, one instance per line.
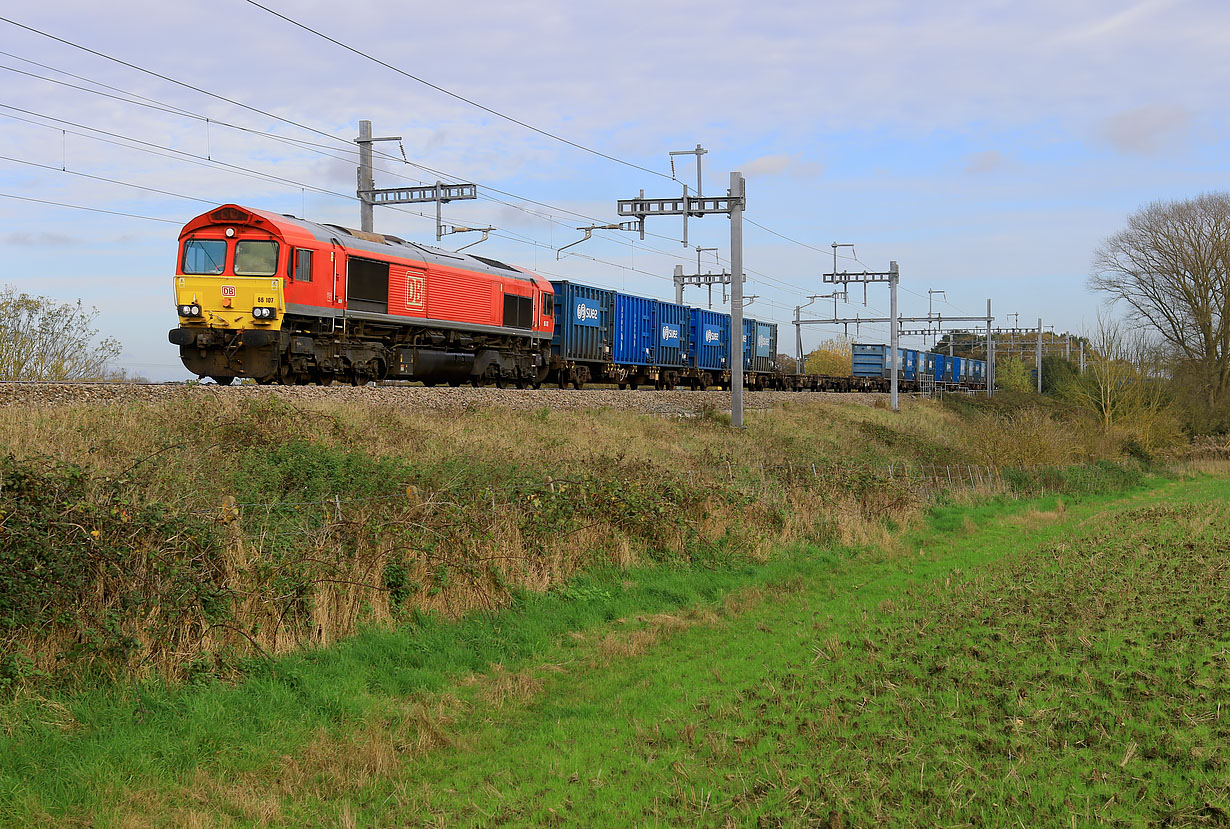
(495,263)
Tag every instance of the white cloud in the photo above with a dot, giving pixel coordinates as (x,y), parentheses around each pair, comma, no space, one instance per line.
(984,162)
(1145,130)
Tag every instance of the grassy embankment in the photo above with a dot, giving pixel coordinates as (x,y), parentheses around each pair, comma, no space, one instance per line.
(1051,663)
(178,538)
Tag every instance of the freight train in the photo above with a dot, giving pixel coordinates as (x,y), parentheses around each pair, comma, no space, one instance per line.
(282,300)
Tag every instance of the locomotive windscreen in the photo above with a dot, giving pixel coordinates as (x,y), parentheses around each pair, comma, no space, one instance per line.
(367,286)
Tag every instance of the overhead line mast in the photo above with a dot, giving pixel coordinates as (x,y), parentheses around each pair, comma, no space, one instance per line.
(732,204)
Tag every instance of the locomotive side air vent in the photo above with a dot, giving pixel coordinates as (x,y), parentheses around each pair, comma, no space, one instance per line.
(495,263)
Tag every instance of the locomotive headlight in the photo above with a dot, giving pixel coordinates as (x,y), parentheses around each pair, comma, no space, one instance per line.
(189,310)
(262,312)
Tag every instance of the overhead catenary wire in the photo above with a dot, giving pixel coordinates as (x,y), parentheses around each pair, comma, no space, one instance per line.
(172,109)
(90,209)
(455,95)
(178,110)
(175,110)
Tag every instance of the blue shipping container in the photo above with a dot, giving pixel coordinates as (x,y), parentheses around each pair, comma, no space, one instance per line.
(908,364)
(749,342)
(867,360)
(584,319)
(766,346)
(941,368)
(634,332)
(671,329)
(958,368)
(709,339)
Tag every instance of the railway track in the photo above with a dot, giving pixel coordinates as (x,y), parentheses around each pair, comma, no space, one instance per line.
(418,397)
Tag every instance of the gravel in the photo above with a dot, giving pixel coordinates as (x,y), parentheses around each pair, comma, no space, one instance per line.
(664,403)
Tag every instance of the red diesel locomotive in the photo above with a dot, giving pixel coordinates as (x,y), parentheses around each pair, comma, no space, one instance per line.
(285,300)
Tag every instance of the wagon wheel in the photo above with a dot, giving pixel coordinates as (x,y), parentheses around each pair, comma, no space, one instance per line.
(537,384)
(633,386)
(623,386)
(476,381)
(454,383)
(324,378)
(429,383)
(222,380)
(578,384)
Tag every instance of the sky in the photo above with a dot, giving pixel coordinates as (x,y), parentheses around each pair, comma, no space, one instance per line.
(987,147)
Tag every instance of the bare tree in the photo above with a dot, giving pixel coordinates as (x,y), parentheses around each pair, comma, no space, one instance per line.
(44,339)
(1124,386)
(1171,266)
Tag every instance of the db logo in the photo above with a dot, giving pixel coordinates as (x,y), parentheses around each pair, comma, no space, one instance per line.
(228,290)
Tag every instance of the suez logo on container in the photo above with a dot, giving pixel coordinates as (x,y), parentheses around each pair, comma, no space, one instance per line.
(711,334)
(587,313)
(670,334)
(763,344)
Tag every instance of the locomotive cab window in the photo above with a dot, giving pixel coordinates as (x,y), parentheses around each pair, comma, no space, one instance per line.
(301,265)
(256,258)
(204,256)
(548,306)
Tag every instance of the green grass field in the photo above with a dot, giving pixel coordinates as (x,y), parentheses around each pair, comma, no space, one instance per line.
(1053,663)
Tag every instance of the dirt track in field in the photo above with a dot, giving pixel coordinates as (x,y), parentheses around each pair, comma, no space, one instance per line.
(433,399)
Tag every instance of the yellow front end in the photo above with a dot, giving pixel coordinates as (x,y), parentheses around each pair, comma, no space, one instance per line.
(230,302)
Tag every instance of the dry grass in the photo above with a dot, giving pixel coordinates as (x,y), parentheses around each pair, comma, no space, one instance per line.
(181,452)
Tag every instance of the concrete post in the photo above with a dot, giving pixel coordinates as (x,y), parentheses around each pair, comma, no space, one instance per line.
(738,191)
(894,327)
(1039,355)
(989,374)
(366,182)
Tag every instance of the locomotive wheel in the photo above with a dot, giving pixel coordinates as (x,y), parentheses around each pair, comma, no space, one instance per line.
(429,383)
(454,383)
(537,385)
(222,381)
(323,379)
(633,386)
(623,386)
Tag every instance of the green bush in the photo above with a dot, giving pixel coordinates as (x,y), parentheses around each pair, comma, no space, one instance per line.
(82,554)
